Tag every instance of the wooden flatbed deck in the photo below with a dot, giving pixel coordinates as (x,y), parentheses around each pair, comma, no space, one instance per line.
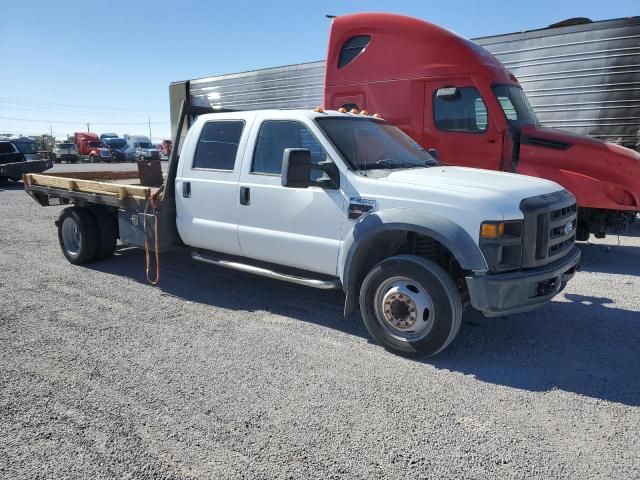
(121,185)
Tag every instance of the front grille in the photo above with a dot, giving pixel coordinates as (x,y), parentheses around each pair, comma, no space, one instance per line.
(550,223)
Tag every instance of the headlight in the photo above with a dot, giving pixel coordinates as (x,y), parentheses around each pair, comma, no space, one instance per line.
(501,244)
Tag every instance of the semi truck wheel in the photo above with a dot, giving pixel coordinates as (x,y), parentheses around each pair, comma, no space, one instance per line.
(78,235)
(411,306)
(107,231)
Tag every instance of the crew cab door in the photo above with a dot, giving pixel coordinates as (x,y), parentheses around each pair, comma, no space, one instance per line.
(458,124)
(207,188)
(294,227)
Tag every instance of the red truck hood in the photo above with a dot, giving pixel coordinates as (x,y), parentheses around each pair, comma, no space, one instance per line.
(599,174)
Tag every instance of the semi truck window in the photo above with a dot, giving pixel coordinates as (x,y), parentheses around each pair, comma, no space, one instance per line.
(466,112)
(274,137)
(218,145)
(352,48)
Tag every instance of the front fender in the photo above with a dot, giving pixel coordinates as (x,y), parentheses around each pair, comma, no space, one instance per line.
(445,231)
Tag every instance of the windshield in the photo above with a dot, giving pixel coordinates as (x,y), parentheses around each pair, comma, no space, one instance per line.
(515,105)
(65,145)
(367,143)
(145,145)
(96,144)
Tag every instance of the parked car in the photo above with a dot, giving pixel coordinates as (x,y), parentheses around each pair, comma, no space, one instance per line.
(64,152)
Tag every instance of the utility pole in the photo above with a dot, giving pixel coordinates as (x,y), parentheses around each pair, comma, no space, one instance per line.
(88,129)
(150,129)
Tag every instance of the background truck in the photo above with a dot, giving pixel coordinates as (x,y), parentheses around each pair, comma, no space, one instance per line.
(91,148)
(336,200)
(118,147)
(141,148)
(64,152)
(451,95)
(13,162)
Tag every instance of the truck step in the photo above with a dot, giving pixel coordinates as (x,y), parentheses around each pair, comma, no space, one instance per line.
(323,284)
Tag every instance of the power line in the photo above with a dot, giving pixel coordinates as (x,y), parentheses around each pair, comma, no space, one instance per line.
(37,103)
(81,122)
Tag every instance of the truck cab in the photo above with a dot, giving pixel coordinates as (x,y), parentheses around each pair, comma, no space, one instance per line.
(451,95)
(337,195)
(141,148)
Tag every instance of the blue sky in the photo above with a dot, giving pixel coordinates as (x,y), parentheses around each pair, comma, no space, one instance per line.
(110,62)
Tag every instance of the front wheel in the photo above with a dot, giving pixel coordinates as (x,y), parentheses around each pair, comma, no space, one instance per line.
(411,306)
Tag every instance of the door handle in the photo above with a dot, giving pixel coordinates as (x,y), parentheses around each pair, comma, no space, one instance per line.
(245,196)
(186,189)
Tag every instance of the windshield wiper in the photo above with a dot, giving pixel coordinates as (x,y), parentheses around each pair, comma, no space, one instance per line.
(391,163)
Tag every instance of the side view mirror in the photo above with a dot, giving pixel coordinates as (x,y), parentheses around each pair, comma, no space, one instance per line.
(433,152)
(448,93)
(296,168)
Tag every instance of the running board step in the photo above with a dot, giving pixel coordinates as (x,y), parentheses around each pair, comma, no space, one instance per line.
(264,272)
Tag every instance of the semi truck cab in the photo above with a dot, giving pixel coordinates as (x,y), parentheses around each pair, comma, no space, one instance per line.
(452,95)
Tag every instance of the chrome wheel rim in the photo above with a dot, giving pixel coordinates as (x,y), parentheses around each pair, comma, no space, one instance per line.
(71,238)
(404,309)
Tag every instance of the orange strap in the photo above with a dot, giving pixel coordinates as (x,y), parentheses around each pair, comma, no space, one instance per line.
(154,209)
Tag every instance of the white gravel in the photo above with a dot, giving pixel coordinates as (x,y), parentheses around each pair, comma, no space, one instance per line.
(214,374)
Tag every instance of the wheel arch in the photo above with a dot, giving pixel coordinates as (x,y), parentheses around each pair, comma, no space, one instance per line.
(380,234)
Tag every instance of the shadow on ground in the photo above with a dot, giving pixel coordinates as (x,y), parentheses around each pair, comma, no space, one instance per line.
(585,345)
(6,185)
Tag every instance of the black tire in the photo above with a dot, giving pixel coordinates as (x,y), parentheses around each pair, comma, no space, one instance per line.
(439,322)
(83,246)
(54,158)
(107,232)
(92,159)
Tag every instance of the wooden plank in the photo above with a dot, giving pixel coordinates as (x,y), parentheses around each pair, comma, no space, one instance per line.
(106,175)
(90,186)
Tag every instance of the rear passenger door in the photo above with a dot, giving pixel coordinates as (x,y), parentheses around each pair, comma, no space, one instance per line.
(295,227)
(207,190)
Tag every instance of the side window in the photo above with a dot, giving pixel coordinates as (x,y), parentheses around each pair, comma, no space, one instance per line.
(464,112)
(274,137)
(353,47)
(218,145)
(508,108)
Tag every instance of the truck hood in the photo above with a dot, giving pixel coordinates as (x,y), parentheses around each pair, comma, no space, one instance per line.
(474,181)
(467,195)
(600,174)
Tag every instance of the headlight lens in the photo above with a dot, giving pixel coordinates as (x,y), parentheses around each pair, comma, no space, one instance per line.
(501,244)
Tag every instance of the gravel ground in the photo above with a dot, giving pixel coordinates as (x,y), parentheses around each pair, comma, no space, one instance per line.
(216,374)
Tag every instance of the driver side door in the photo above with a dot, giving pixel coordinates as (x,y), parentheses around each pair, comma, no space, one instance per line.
(295,227)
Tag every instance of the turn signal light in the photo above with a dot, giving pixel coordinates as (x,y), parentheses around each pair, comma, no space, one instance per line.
(364,112)
(319,109)
(342,110)
(377,115)
(353,110)
(492,230)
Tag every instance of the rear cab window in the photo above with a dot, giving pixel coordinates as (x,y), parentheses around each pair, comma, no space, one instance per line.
(217,146)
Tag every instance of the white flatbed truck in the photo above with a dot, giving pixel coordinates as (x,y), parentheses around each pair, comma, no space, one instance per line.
(336,200)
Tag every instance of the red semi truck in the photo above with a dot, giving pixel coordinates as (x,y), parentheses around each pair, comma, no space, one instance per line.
(91,148)
(448,94)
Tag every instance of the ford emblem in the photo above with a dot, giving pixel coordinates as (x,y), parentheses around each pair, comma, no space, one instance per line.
(568,228)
